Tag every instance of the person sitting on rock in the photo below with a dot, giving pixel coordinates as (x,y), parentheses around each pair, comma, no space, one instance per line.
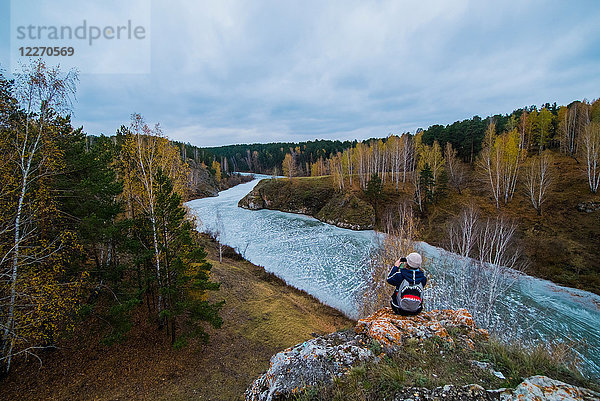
(410,282)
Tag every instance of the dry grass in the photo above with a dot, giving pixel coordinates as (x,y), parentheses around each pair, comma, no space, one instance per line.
(261,316)
(433,363)
(562,245)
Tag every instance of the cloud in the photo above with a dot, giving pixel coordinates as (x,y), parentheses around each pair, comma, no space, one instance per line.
(230,71)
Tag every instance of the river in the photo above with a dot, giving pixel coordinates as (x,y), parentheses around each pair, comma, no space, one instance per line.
(329,262)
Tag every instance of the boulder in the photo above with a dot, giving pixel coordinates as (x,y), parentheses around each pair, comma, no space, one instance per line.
(542,388)
(390,330)
(471,392)
(311,363)
(318,361)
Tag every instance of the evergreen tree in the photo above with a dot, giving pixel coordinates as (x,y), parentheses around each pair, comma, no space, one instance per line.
(88,193)
(185,269)
(427,183)
(374,191)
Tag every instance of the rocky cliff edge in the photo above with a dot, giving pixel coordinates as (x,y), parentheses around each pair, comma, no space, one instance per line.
(317,362)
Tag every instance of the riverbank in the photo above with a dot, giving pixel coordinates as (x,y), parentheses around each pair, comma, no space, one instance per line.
(203,183)
(313,196)
(561,244)
(261,315)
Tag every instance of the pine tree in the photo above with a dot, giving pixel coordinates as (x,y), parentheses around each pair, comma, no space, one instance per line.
(374,191)
(427,183)
(185,269)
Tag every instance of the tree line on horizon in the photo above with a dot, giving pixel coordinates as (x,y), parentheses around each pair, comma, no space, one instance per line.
(547,127)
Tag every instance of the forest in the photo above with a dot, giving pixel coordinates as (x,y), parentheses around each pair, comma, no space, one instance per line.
(91,227)
(547,127)
(537,172)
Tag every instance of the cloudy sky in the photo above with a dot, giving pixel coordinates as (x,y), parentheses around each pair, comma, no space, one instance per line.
(224,72)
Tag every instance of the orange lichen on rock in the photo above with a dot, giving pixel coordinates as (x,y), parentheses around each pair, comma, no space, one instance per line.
(390,329)
(544,388)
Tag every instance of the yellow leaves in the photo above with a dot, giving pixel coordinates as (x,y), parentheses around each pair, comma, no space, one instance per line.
(289,165)
(144,152)
(508,146)
(500,160)
(46,305)
(318,168)
(217,167)
(431,155)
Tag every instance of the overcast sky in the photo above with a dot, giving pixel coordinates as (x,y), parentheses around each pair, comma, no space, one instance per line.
(225,72)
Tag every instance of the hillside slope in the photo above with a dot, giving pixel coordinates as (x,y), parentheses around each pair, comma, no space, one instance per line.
(261,316)
(561,245)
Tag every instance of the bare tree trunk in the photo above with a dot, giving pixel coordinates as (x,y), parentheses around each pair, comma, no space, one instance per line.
(591,153)
(538,180)
(463,231)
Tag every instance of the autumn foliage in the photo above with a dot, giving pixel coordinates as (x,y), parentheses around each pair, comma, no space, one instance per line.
(90,224)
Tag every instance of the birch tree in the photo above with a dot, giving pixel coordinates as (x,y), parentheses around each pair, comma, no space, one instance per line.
(432,156)
(463,231)
(489,163)
(30,157)
(147,152)
(538,178)
(318,168)
(544,123)
(497,262)
(499,258)
(500,160)
(408,156)
(361,156)
(336,166)
(348,160)
(289,166)
(590,144)
(395,149)
(456,169)
(572,122)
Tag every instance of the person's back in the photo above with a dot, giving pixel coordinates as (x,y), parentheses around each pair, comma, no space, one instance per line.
(409,281)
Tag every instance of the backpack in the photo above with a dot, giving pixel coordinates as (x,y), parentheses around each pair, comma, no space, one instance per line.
(410,297)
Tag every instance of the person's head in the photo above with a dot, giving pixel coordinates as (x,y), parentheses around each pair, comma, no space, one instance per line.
(414,260)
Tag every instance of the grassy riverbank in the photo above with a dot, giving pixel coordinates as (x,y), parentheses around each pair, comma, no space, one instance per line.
(261,317)
(313,196)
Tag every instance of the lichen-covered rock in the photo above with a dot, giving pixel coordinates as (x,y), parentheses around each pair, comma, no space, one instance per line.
(542,388)
(318,361)
(390,330)
(313,362)
(471,392)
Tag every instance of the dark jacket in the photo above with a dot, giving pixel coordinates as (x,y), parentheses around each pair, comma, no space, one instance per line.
(399,274)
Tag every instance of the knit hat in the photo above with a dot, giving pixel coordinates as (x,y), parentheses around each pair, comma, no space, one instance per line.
(414,260)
